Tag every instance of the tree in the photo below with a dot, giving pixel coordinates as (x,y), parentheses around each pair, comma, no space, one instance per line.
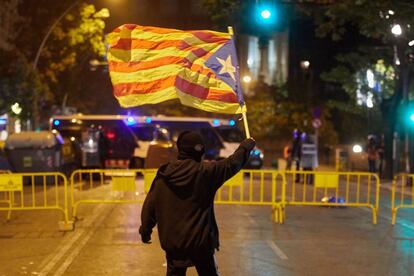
(17,82)
(9,20)
(64,59)
(336,19)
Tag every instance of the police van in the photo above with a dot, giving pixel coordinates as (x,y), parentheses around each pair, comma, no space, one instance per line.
(108,141)
(222,137)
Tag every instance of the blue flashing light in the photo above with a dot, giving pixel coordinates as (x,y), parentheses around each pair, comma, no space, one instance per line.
(131,121)
(3,121)
(216,122)
(56,122)
(232,122)
(412,117)
(256,152)
(148,120)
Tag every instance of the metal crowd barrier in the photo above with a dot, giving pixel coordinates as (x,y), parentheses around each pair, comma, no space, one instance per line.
(109,186)
(403,185)
(255,187)
(332,189)
(36,191)
(7,195)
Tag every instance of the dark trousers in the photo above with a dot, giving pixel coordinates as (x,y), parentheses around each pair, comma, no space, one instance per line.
(205,265)
(372,166)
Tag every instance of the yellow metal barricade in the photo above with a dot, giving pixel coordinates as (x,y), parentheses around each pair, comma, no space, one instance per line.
(36,191)
(108,186)
(257,188)
(402,193)
(7,196)
(336,189)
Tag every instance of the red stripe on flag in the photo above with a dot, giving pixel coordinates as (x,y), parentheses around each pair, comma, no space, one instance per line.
(201,92)
(209,37)
(131,67)
(133,43)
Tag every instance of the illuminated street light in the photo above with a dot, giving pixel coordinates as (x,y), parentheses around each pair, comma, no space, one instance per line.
(247,79)
(16,109)
(304,64)
(357,149)
(396,30)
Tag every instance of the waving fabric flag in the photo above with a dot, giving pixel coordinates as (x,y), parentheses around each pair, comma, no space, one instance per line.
(149,65)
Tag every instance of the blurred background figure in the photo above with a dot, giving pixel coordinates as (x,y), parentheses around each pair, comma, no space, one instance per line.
(287,156)
(381,156)
(296,153)
(372,154)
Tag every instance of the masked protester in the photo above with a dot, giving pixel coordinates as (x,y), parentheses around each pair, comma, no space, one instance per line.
(181,203)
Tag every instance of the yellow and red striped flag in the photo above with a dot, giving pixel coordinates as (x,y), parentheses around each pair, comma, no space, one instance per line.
(149,65)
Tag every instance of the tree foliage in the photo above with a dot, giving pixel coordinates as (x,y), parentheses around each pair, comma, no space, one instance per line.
(64,60)
(9,21)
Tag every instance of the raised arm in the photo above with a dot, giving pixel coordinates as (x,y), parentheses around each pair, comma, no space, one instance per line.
(224,169)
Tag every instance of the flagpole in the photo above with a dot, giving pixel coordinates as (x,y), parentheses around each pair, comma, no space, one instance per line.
(246,125)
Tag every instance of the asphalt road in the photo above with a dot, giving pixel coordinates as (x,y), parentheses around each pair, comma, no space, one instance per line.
(313,241)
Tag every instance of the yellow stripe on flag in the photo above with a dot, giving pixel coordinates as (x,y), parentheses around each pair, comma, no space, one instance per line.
(166,71)
(148,55)
(151,98)
(188,37)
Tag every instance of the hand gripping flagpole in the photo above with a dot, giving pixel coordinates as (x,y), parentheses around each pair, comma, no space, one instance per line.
(246,125)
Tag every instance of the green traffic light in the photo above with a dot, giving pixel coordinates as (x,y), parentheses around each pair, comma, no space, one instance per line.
(266,14)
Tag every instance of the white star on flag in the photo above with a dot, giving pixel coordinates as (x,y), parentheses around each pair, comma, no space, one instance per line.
(227,67)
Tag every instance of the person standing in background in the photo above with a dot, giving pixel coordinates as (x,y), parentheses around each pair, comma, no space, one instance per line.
(381,156)
(372,155)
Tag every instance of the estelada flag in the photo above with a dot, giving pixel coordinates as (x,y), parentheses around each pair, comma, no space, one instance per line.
(149,65)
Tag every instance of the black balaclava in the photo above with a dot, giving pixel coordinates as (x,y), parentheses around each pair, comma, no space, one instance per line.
(190,145)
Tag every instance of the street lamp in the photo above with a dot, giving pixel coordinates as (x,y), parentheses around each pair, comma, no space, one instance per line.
(247,80)
(103,13)
(304,64)
(396,30)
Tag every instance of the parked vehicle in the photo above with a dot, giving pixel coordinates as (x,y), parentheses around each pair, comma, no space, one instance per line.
(222,137)
(110,141)
(232,136)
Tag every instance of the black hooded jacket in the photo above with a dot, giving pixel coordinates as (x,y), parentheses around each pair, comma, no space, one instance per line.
(181,200)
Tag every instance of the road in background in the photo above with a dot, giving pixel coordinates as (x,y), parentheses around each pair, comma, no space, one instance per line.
(313,241)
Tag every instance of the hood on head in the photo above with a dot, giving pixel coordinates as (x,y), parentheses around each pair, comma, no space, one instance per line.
(190,145)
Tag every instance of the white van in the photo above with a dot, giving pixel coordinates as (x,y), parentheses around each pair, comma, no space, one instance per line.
(222,136)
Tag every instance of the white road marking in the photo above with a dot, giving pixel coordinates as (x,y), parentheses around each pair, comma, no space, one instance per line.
(78,247)
(277,250)
(48,264)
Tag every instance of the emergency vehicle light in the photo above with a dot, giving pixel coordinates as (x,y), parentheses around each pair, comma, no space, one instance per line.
(3,121)
(148,120)
(110,135)
(232,122)
(131,121)
(216,122)
(56,122)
